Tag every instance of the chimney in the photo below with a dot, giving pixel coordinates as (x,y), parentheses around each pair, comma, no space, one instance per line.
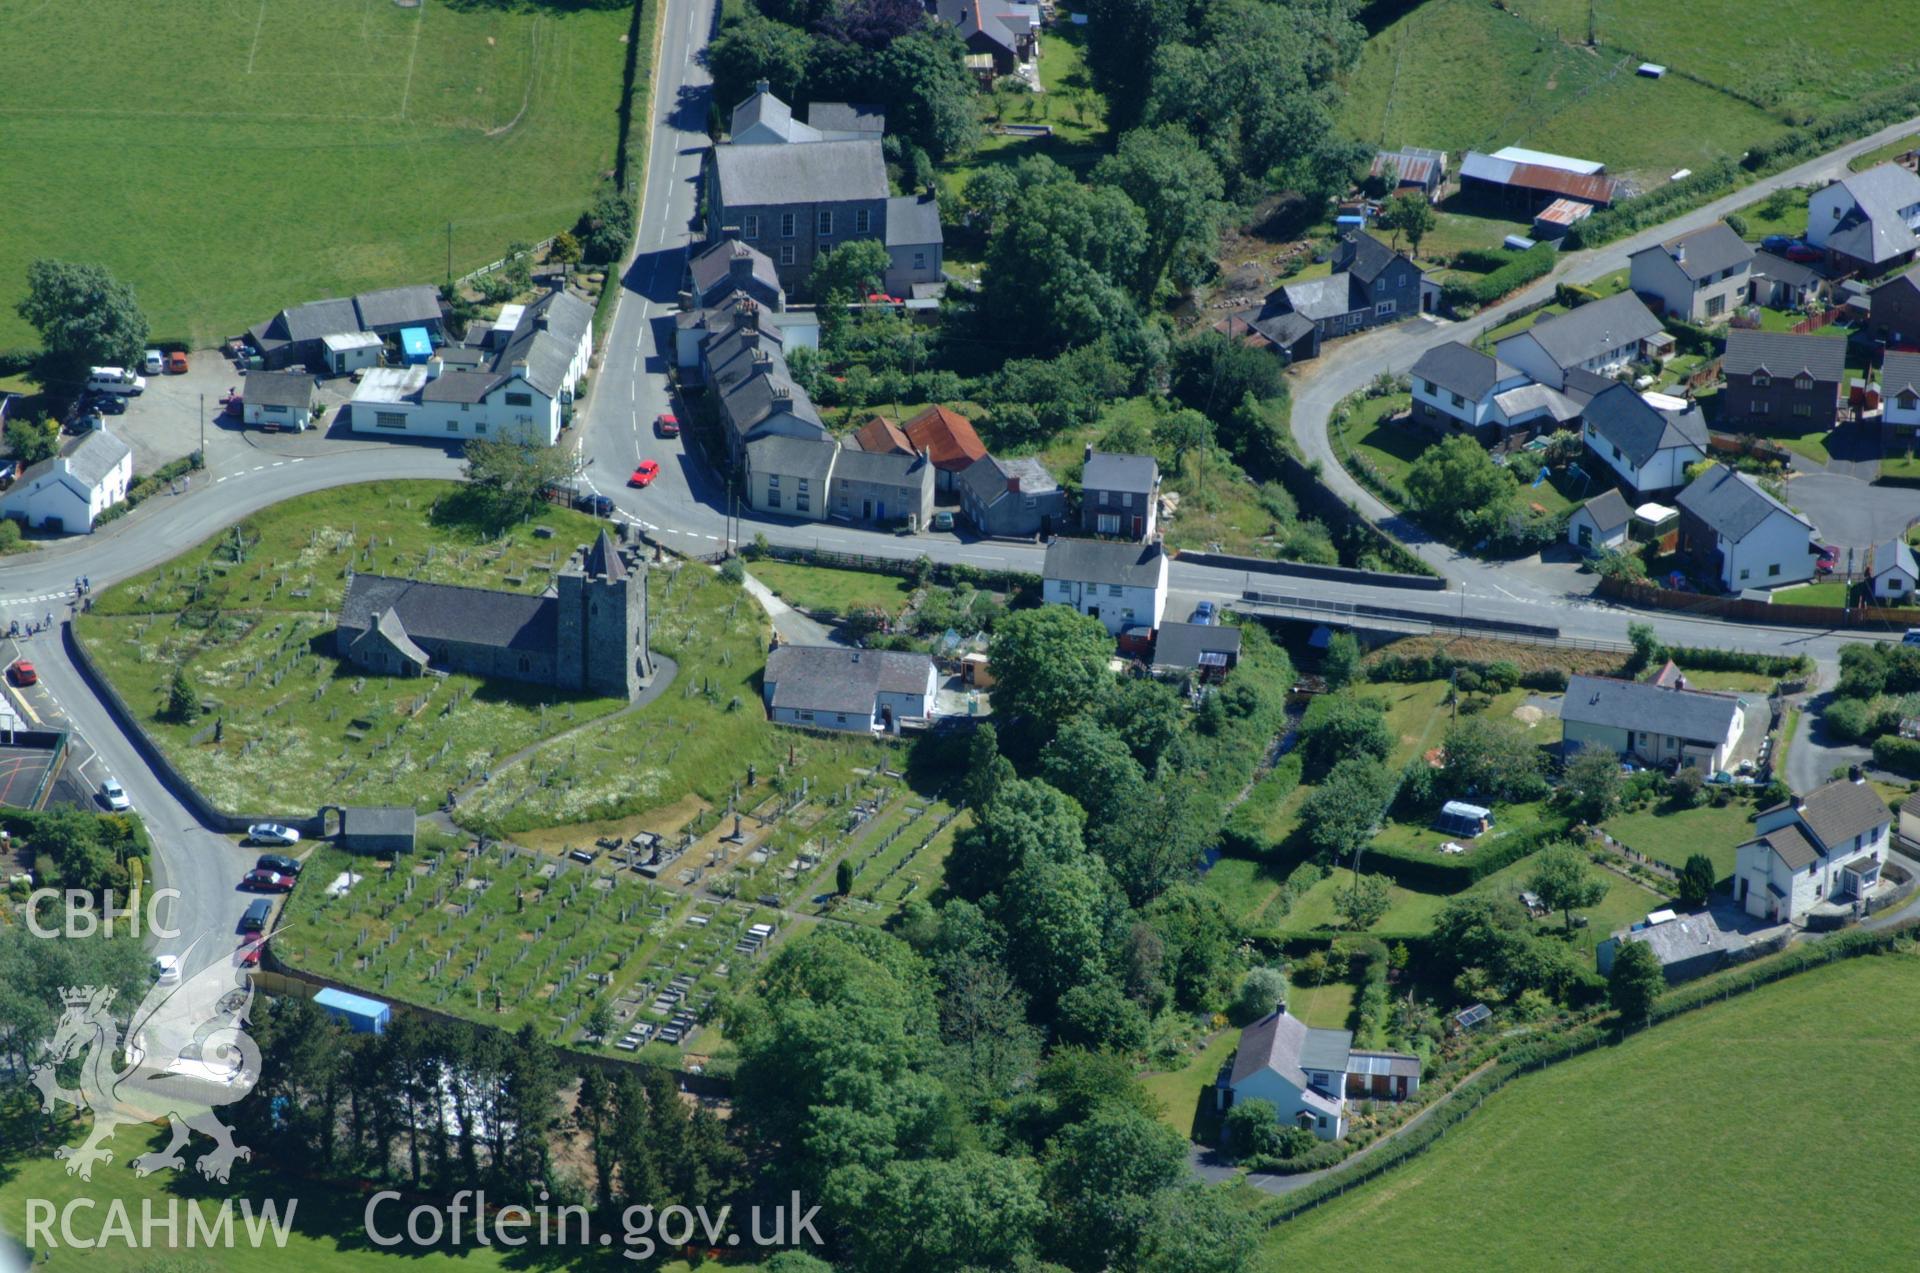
(1855,776)
(1013,483)
(434,367)
(729,234)
(762,86)
(781,393)
(1680,681)
(520,368)
(540,323)
(1087,454)
(740,268)
(761,358)
(1680,253)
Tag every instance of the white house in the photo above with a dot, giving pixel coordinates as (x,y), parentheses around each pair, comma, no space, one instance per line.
(1867,220)
(1891,568)
(1454,387)
(1741,536)
(68,491)
(1900,396)
(278,399)
(1599,337)
(1124,585)
(1310,1075)
(1699,276)
(831,687)
(1652,722)
(1647,446)
(1825,846)
(1600,523)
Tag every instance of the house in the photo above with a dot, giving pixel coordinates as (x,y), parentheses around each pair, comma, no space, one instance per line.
(1600,337)
(1699,276)
(847,121)
(1119,494)
(68,491)
(1413,168)
(789,475)
(832,687)
(1531,179)
(1121,584)
(730,268)
(1370,284)
(586,635)
(1600,523)
(882,437)
(1649,448)
(1890,568)
(1782,284)
(1529,409)
(793,193)
(1310,1075)
(278,399)
(1651,723)
(1900,397)
(1782,377)
(1866,221)
(1011,498)
(1687,946)
(1894,309)
(1211,649)
(1006,33)
(948,439)
(744,365)
(1741,536)
(1826,846)
(297,337)
(1454,387)
(880,487)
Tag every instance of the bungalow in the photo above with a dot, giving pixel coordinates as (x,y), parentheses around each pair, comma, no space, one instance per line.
(1412,168)
(1687,946)
(67,492)
(1600,523)
(1781,376)
(1211,649)
(1890,568)
(1651,723)
(1779,283)
(1894,308)
(1015,499)
(1121,584)
(832,687)
(1742,537)
(1648,447)
(1454,387)
(1866,220)
(1309,1075)
(949,440)
(1371,284)
(278,399)
(1006,32)
(1600,337)
(1900,397)
(1825,846)
(1699,276)
(1119,494)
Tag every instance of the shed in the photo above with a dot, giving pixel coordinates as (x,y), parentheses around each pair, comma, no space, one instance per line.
(1910,819)
(278,399)
(377,829)
(359,1013)
(415,346)
(348,352)
(1652,70)
(1600,523)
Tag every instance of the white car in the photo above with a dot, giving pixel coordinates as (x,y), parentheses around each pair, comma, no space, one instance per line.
(166,969)
(156,363)
(273,833)
(115,795)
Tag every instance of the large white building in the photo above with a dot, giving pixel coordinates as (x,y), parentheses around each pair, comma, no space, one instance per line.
(1124,585)
(1825,846)
(1652,722)
(861,691)
(68,492)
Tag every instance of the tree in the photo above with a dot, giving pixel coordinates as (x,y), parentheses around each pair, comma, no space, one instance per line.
(1056,915)
(1214,374)
(1565,881)
(1084,240)
(183,701)
(849,272)
(1363,901)
(1102,1175)
(987,196)
(1493,759)
(1634,981)
(1178,188)
(605,229)
(843,877)
(1183,432)
(510,479)
(754,47)
(1253,1129)
(921,177)
(1025,821)
(1647,649)
(566,248)
(518,271)
(1410,214)
(1338,727)
(1101,1017)
(1697,879)
(85,318)
(1341,813)
(1048,664)
(1342,662)
(977,1210)
(32,441)
(1196,1228)
(1591,787)
(1261,990)
(989,1047)
(1459,490)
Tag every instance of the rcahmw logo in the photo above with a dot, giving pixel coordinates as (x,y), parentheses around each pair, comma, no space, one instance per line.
(159,1227)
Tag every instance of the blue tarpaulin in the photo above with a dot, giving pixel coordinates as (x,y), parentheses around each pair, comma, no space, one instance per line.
(362,1015)
(415,346)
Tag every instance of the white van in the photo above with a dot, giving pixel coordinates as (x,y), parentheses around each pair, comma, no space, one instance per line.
(115,380)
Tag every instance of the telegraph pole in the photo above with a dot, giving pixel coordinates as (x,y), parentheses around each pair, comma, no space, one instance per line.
(203,430)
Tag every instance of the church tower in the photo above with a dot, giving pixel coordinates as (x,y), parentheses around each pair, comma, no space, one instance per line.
(601,632)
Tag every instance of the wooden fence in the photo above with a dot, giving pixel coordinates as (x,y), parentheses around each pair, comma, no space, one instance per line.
(1740,610)
(1823,319)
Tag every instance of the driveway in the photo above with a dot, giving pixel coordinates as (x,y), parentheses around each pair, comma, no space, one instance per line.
(1850,511)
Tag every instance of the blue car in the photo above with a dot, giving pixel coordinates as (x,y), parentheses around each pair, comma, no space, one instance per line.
(1776,244)
(1202,613)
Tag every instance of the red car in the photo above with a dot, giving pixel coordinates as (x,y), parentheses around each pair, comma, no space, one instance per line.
(1804,253)
(644,475)
(267,882)
(248,956)
(23,673)
(666,425)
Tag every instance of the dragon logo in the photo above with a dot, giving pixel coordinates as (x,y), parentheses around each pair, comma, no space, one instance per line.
(186,1054)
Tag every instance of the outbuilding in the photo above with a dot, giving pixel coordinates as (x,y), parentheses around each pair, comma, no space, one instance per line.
(377,829)
(1600,523)
(278,399)
(357,1012)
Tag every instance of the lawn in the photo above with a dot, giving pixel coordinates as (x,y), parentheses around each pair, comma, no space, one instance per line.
(1813,594)
(1070,104)
(1553,1173)
(1791,218)
(1387,445)
(1409,912)
(244,155)
(1185,1095)
(1514,326)
(248,614)
(1884,154)
(1671,837)
(828,588)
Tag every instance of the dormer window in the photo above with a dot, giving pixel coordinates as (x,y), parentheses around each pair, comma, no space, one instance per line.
(1761,380)
(1803,383)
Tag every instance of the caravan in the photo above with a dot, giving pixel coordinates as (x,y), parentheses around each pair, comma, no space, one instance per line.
(1457,817)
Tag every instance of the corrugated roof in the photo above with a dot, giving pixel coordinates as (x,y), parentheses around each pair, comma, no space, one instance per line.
(947,437)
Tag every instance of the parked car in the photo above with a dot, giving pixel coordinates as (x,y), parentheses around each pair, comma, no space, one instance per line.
(176,363)
(272,833)
(645,473)
(104,403)
(279,864)
(166,969)
(1203,613)
(1804,253)
(666,425)
(942,520)
(598,505)
(23,673)
(256,917)
(248,956)
(115,795)
(267,882)
(1912,637)
(1777,243)
(156,362)
(1827,561)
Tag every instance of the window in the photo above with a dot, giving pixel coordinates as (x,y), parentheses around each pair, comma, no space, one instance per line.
(453,426)
(773,498)
(1773,570)
(750,226)
(480,427)
(803,715)
(1616,453)
(1803,383)
(802,484)
(1383,309)
(919,260)
(786,225)
(1803,408)
(1433,390)
(1761,380)
(862,221)
(1380,285)
(1715,304)
(802,503)
(465,407)
(1762,408)
(826,222)
(519,399)
(1126,499)
(786,254)
(1107,524)
(1113,590)
(1458,401)
(1065,589)
(773,481)
(1743,575)
(389,420)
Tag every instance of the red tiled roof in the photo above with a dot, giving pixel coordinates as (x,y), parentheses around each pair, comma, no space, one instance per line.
(881,436)
(947,437)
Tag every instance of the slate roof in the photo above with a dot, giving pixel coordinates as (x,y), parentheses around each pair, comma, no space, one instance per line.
(1593,329)
(831,678)
(988,17)
(1607,509)
(887,467)
(847,117)
(1838,811)
(947,437)
(394,632)
(313,320)
(1894,554)
(913,220)
(418,303)
(797,457)
(1461,369)
(1114,471)
(1370,256)
(1900,370)
(1521,399)
(603,559)
(1626,420)
(881,435)
(1785,355)
(1581,385)
(1320,298)
(463,385)
(1702,253)
(1181,644)
(1792,273)
(988,478)
(1876,231)
(783,176)
(1686,937)
(1792,847)
(1691,714)
(1731,503)
(380,819)
(452,612)
(1283,1043)
(1105,561)
(1284,330)
(278,388)
(764,108)
(751,399)
(714,266)
(549,334)
(94,455)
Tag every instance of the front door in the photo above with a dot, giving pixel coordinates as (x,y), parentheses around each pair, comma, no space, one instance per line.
(866,510)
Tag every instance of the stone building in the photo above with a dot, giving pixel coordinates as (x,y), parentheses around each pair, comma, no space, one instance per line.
(585,635)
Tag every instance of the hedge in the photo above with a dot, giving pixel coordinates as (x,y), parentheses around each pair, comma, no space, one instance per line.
(1888,106)
(1623,218)
(148,485)
(1901,755)
(1433,874)
(1529,265)
(1705,659)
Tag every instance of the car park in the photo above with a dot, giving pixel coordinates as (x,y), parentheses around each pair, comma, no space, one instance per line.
(267,882)
(166,969)
(279,864)
(23,673)
(666,425)
(115,796)
(644,473)
(272,833)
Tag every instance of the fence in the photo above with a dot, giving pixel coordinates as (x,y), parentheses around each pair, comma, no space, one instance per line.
(1636,857)
(1740,610)
(1308,570)
(1822,319)
(1744,444)
(501,264)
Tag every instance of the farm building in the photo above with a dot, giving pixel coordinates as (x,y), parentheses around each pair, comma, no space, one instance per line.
(1534,179)
(1413,168)
(278,399)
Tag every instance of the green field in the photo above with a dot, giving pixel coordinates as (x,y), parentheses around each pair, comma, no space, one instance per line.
(1654,1153)
(230,157)
(827,588)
